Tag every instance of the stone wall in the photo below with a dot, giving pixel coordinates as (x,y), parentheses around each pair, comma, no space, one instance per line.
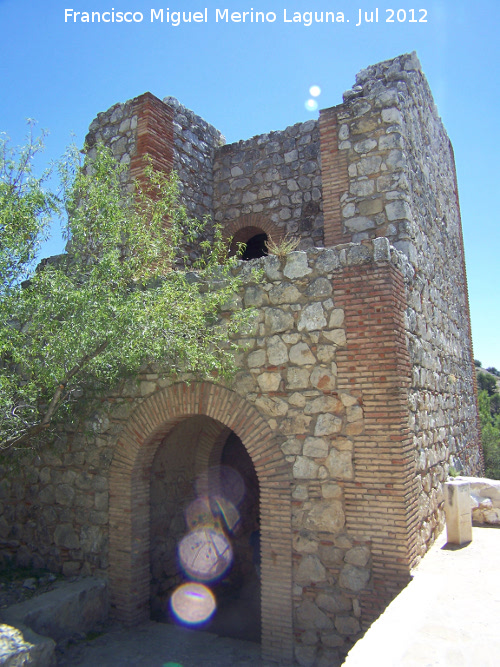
(116,128)
(195,143)
(173,137)
(400,182)
(324,552)
(272,182)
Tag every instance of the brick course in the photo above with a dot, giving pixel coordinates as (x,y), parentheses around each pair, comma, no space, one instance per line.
(334,178)
(154,135)
(380,501)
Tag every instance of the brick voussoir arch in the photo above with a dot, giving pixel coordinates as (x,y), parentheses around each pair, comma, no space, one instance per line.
(248,225)
(129,513)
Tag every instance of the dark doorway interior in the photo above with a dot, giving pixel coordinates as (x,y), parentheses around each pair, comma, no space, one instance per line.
(255,247)
(174,487)
(238,594)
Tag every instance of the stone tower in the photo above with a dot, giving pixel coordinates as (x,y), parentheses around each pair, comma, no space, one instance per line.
(356,388)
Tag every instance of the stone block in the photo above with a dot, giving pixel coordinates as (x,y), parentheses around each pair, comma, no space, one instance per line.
(303,544)
(69,609)
(347,625)
(21,646)
(305,468)
(325,353)
(339,464)
(272,406)
(312,318)
(328,261)
(359,224)
(65,494)
(283,293)
(310,617)
(323,379)
(323,404)
(327,424)
(333,601)
(297,378)
(269,381)
(65,536)
(354,578)
(457,508)
(256,359)
(310,571)
(315,447)
(358,556)
(278,320)
(301,355)
(327,516)
(296,265)
(320,287)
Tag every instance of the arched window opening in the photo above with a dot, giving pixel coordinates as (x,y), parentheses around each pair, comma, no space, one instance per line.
(255,247)
(254,238)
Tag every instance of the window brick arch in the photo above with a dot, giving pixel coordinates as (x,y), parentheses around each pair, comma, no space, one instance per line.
(129,539)
(251,224)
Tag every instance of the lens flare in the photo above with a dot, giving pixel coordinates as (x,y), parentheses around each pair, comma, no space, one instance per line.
(315,91)
(205,554)
(223,508)
(193,603)
(199,513)
(311,105)
(223,481)
(214,512)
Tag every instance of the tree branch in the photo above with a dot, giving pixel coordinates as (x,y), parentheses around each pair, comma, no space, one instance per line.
(59,394)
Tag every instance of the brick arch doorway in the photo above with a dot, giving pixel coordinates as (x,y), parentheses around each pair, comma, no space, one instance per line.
(129,522)
(202,477)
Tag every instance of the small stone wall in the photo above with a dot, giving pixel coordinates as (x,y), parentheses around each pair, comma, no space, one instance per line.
(485,499)
(195,143)
(272,178)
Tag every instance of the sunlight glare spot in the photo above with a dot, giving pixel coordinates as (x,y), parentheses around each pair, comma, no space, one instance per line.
(205,554)
(193,603)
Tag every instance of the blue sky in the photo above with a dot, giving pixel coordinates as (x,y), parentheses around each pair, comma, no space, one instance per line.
(249,78)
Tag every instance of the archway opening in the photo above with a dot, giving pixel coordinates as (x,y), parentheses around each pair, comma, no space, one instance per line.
(254,239)
(255,247)
(204,529)
(130,501)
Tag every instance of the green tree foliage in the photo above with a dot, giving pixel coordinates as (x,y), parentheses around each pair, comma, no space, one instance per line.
(495,405)
(490,433)
(112,304)
(487,383)
(26,209)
